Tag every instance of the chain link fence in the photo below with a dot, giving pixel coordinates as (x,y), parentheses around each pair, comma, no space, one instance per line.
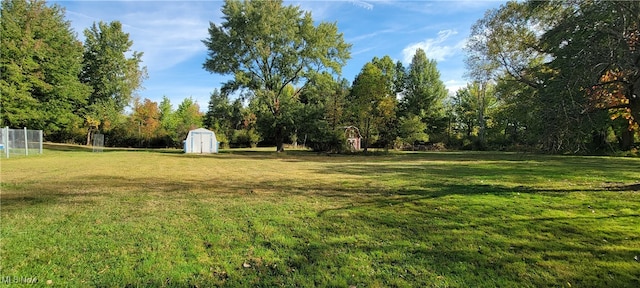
(98,142)
(20,142)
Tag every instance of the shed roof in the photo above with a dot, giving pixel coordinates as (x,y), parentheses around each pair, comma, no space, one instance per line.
(201,130)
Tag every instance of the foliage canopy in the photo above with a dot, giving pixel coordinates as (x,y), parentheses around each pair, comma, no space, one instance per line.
(267,47)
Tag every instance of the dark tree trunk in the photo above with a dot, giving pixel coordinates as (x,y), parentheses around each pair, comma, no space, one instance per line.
(514,134)
(279,138)
(366,136)
(634,107)
(599,140)
(626,140)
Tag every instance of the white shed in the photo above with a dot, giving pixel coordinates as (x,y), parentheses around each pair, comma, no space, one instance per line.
(201,141)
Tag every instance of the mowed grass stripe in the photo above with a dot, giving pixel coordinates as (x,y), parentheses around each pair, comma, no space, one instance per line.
(256,218)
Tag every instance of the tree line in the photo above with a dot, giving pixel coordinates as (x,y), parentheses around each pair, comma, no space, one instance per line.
(555,76)
(559,76)
(552,76)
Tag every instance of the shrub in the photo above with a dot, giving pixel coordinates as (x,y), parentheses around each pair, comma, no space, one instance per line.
(245,138)
(331,141)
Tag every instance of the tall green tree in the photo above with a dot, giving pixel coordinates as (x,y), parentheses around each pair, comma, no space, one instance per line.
(387,125)
(372,102)
(411,130)
(168,123)
(389,70)
(506,45)
(187,117)
(319,119)
(112,70)
(578,57)
(518,110)
(506,41)
(336,102)
(223,116)
(400,84)
(267,46)
(474,105)
(425,92)
(284,122)
(464,109)
(40,59)
(218,113)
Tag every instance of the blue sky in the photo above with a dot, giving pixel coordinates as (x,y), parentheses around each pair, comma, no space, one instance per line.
(170,33)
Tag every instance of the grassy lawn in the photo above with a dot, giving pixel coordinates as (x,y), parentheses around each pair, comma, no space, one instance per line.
(244,218)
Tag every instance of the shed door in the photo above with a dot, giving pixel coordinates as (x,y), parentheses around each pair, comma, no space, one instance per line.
(196,142)
(205,142)
(201,142)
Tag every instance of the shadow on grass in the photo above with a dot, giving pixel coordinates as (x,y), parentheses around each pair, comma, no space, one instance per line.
(311,156)
(83,148)
(623,187)
(408,174)
(398,224)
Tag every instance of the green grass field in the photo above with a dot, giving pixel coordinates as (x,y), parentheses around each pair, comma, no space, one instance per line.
(256,218)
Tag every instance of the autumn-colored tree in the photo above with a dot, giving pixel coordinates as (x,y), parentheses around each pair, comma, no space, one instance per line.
(577,57)
(611,94)
(146,117)
(596,51)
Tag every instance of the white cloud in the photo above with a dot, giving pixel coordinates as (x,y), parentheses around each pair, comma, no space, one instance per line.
(362,4)
(168,33)
(361,51)
(320,10)
(371,35)
(454,85)
(165,45)
(435,48)
(440,7)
